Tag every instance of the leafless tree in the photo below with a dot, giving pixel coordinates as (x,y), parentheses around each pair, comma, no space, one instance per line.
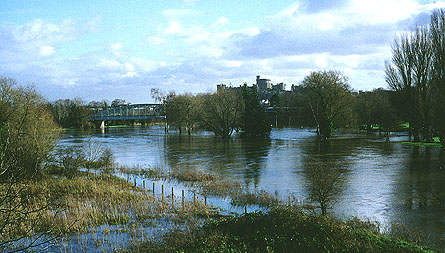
(416,72)
(437,38)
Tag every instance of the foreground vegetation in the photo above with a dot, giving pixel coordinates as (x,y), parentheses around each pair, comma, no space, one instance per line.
(85,203)
(282,229)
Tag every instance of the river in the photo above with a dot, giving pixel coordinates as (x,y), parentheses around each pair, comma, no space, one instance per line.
(384,182)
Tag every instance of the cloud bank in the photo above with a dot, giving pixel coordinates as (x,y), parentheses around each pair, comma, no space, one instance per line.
(351,36)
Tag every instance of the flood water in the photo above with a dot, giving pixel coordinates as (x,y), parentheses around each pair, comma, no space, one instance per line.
(385,182)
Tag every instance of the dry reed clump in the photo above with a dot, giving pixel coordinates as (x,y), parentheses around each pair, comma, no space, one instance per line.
(214,185)
(192,175)
(221,188)
(154,173)
(261,198)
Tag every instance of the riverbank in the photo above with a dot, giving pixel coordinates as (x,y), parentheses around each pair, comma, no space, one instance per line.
(282,229)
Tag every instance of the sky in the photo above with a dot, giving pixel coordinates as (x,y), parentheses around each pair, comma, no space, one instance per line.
(112,49)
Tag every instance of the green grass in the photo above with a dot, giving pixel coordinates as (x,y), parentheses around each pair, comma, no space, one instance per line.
(431,144)
(283,229)
(405,125)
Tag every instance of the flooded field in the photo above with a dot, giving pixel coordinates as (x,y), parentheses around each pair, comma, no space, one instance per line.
(385,182)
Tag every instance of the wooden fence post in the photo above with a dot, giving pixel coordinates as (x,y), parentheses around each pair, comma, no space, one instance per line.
(162,192)
(183,204)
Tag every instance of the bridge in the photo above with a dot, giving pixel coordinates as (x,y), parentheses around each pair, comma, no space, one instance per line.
(129,112)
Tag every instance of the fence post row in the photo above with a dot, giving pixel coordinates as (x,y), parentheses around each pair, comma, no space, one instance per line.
(172,195)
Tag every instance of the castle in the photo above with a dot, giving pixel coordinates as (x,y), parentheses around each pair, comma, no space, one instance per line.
(264,87)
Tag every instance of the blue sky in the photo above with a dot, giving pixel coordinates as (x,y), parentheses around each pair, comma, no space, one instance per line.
(121,49)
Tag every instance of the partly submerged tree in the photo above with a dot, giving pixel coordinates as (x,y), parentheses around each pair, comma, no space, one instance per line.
(329,97)
(181,111)
(416,73)
(221,112)
(254,121)
(437,40)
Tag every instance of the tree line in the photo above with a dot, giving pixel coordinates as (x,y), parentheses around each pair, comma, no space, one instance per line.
(325,101)
(416,73)
(75,113)
(223,112)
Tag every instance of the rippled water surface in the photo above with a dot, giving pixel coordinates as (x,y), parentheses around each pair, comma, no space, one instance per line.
(389,183)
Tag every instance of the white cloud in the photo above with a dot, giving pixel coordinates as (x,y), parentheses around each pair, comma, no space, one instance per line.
(109,64)
(156,40)
(173,28)
(222,21)
(179,13)
(129,74)
(190,2)
(47,50)
(384,11)
(232,64)
(116,46)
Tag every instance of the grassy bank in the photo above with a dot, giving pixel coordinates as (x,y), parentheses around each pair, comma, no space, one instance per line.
(283,229)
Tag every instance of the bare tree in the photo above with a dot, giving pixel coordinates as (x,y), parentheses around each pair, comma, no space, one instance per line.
(422,62)
(399,76)
(157,95)
(437,39)
(411,75)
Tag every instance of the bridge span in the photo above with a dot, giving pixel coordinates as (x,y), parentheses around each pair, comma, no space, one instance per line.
(132,112)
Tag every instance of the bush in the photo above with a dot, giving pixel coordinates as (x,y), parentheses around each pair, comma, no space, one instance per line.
(283,229)
(27,137)
(27,132)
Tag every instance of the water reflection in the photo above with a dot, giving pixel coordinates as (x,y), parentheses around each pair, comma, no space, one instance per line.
(255,152)
(419,198)
(326,169)
(235,158)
